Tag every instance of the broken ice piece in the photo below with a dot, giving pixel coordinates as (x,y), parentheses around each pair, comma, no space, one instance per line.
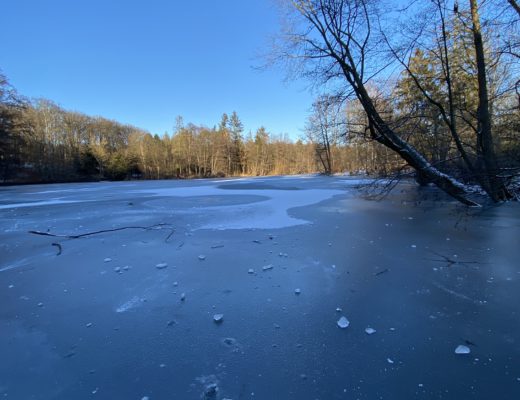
(390,361)
(117,269)
(183,296)
(40,304)
(370,331)
(461,349)
(126,267)
(202,257)
(250,271)
(218,318)
(297,291)
(89,325)
(267,267)
(343,322)
(339,309)
(161,265)
(175,283)
(107,259)
(210,391)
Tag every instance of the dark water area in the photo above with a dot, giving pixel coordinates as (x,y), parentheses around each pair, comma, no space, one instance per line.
(129,313)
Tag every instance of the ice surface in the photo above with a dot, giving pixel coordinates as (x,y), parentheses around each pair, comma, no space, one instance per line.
(343,322)
(54,343)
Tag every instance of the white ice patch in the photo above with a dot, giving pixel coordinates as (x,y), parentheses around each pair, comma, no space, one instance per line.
(17,264)
(461,349)
(132,303)
(38,203)
(271,213)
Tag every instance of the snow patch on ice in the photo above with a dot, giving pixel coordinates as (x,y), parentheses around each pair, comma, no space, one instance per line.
(128,305)
(39,203)
(271,213)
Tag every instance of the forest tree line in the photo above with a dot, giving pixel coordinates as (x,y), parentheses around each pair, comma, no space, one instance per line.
(42,142)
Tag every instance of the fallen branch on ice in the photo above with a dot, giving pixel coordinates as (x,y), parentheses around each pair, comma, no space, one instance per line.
(146,228)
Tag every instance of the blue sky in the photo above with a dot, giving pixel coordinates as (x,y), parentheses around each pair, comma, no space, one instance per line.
(145,62)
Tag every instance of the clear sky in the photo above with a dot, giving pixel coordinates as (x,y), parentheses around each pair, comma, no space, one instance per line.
(144,62)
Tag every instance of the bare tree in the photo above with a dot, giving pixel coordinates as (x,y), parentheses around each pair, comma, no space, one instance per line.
(325,128)
(337,41)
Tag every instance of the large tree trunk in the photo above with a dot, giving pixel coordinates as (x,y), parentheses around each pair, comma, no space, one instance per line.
(492,183)
(515,5)
(383,133)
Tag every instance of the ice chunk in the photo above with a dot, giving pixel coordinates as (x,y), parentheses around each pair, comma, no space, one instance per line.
(343,322)
(390,361)
(40,304)
(161,265)
(461,349)
(183,296)
(117,269)
(267,267)
(250,271)
(108,259)
(297,291)
(202,257)
(218,318)
(89,325)
(339,309)
(370,331)
(210,391)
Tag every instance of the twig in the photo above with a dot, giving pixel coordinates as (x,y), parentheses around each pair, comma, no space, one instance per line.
(381,272)
(169,236)
(58,246)
(449,261)
(146,228)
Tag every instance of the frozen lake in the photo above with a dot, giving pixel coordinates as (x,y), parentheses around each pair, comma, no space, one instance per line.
(128,313)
